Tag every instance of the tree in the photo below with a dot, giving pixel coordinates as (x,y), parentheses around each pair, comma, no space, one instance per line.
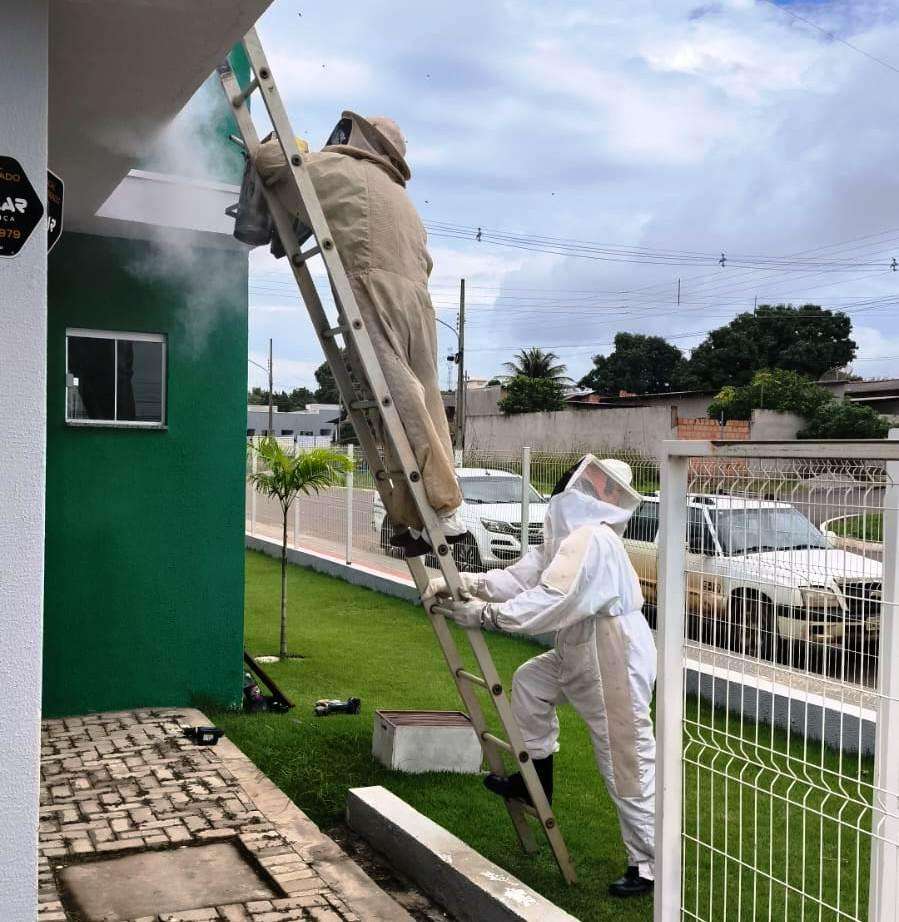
(808,340)
(327,388)
(640,364)
(295,400)
(825,416)
(784,391)
(842,419)
(283,477)
(535,363)
(531,395)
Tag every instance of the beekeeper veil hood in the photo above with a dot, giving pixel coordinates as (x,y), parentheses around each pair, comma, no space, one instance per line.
(591,492)
(376,138)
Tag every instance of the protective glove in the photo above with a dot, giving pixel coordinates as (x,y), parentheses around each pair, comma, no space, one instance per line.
(438,586)
(468,614)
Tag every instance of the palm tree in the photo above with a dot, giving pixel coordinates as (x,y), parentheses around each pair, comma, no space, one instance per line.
(284,476)
(535,363)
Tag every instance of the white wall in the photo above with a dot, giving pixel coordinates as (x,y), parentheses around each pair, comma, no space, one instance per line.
(638,429)
(771,426)
(23,360)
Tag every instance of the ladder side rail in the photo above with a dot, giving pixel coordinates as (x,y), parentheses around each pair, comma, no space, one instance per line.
(525,764)
(358,339)
(472,704)
(346,300)
(284,224)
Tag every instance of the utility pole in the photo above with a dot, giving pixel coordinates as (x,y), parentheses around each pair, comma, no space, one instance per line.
(270,388)
(460,372)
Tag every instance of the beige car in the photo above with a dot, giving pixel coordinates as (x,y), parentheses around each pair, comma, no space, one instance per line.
(762,579)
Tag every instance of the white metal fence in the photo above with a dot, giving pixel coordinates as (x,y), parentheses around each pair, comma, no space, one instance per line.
(776,580)
(778,774)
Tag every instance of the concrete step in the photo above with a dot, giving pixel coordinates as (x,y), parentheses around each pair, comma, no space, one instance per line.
(466,884)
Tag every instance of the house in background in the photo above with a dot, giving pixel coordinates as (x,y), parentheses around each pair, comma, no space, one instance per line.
(123,370)
(317,424)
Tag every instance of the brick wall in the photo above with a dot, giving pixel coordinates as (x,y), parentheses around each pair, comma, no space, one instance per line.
(734,430)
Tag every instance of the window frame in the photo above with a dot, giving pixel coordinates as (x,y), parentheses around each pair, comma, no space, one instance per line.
(648,503)
(117,335)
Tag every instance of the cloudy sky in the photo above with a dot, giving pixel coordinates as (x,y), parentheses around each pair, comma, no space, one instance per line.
(651,136)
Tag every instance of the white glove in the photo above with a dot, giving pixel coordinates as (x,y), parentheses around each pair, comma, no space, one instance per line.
(438,586)
(468,614)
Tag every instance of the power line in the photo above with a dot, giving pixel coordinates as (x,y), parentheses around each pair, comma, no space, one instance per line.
(834,37)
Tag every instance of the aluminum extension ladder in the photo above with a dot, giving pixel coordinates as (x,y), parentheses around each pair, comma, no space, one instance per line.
(364,391)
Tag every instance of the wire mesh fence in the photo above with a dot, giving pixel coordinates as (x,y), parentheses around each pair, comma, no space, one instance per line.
(778,612)
(503,511)
(786,795)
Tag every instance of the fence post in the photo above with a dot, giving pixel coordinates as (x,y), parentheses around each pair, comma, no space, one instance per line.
(884,886)
(670,686)
(349,505)
(458,459)
(525,499)
(254,468)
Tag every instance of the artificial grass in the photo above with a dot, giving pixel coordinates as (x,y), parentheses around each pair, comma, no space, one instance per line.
(358,642)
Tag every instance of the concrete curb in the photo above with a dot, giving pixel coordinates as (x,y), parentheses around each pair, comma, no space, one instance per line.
(355,573)
(330,862)
(469,886)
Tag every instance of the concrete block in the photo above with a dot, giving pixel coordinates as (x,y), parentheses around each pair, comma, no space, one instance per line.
(467,885)
(426,741)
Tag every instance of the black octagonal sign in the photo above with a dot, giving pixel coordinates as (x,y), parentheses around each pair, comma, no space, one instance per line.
(21,208)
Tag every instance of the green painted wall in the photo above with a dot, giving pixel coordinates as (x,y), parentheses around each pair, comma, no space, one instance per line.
(197,143)
(145,529)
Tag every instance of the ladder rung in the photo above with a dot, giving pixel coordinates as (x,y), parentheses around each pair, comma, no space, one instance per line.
(471,677)
(305,255)
(363,404)
(331,332)
(496,741)
(239,98)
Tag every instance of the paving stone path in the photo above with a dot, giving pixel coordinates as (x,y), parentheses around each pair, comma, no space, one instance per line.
(117,784)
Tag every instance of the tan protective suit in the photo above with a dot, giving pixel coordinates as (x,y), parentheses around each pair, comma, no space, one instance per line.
(383,245)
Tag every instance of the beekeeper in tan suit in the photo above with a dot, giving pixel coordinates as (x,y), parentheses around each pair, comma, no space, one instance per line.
(360,177)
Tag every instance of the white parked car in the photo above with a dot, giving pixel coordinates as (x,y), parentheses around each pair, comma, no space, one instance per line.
(762,579)
(491,509)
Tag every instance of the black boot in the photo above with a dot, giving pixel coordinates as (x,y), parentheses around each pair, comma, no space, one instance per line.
(410,545)
(513,787)
(632,884)
(417,547)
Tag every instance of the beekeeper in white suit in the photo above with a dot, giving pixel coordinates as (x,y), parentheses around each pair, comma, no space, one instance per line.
(581,585)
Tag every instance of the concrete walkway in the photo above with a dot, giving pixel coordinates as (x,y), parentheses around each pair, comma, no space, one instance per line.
(130,808)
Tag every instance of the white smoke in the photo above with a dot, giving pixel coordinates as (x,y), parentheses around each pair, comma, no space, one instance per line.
(206,272)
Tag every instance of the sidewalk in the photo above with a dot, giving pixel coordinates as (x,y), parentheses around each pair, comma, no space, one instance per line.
(138,823)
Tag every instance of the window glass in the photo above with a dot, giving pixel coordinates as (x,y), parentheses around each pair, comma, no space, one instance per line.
(505,489)
(139,381)
(91,391)
(752,530)
(644,523)
(699,537)
(115,378)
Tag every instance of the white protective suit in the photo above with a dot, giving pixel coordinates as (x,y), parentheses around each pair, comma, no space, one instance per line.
(581,585)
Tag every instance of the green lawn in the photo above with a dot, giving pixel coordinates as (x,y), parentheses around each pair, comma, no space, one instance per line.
(862,527)
(358,642)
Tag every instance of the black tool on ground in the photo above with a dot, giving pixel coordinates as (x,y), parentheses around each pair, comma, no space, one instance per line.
(254,700)
(326,706)
(204,736)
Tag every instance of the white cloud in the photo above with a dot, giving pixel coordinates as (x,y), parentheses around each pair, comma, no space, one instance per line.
(689,125)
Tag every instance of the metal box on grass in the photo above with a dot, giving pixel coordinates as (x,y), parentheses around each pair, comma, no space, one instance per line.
(426,741)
